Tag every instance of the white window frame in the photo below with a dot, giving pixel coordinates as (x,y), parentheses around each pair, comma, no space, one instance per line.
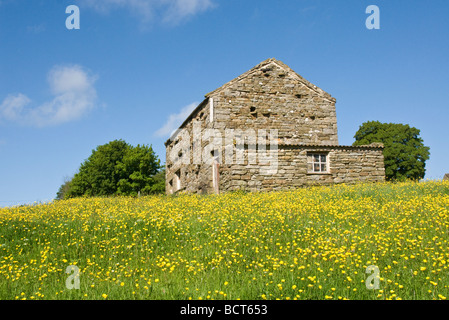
(312,161)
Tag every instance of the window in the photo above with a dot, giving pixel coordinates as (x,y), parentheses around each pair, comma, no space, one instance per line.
(253,112)
(178,180)
(317,163)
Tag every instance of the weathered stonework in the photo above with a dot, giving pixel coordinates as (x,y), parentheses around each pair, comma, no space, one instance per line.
(347,165)
(446,176)
(270,96)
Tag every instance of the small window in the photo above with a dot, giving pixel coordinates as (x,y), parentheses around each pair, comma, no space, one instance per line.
(253,112)
(178,180)
(317,163)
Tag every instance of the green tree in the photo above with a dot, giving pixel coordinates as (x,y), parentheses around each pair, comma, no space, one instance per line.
(137,170)
(404,152)
(116,168)
(159,183)
(65,187)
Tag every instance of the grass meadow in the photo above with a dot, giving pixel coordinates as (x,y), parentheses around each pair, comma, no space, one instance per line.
(312,243)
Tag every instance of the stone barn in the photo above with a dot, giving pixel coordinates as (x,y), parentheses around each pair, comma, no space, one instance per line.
(268,129)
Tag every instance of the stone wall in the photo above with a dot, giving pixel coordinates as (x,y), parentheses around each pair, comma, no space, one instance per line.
(182,163)
(347,164)
(272,96)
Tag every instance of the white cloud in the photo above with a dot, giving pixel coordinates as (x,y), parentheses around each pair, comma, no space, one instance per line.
(172,11)
(175,120)
(64,79)
(74,95)
(180,9)
(12,107)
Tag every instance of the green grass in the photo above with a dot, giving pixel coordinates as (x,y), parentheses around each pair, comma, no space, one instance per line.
(313,243)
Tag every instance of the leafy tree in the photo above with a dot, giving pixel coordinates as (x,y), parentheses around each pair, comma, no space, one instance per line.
(136,170)
(404,151)
(65,187)
(159,183)
(116,168)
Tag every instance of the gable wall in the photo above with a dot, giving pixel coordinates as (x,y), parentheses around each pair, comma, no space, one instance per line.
(272,98)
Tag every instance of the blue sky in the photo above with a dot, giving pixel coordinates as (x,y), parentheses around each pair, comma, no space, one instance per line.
(135,68)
